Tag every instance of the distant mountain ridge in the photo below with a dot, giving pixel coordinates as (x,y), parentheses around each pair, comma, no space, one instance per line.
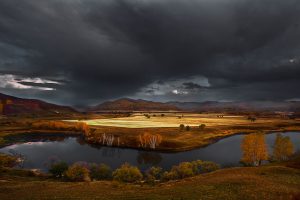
(127,104)
(10,105)
(251,106)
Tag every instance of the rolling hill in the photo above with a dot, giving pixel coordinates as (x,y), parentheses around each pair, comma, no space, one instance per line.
(126,104)
(10,105)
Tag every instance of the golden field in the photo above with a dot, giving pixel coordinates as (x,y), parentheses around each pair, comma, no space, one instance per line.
(171,120)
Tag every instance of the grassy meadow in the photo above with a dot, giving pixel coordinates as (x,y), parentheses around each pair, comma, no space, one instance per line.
(272,181)
(172,120)
(265,182)
(129,129)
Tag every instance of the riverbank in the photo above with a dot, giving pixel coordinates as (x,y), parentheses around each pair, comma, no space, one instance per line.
(177,140)
(275,181)
(172,139)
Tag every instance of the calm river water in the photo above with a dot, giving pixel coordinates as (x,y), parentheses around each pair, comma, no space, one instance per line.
(40,153)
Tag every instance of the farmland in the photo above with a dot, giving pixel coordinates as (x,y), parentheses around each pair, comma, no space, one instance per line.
(171,120)
(174,138)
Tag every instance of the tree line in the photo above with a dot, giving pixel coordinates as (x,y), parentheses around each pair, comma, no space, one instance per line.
(255,149)
(82,171)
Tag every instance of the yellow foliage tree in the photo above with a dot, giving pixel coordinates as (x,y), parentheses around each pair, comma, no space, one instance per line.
(153,140)
(283,148)
(254,149)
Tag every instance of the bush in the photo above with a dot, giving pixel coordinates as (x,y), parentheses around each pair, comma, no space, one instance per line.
(202,126)
(200,166)
(187,128)
(155,172)
(181,127)
(77,172)
(100,172)
(63,126)
(183,170)
(188,169)
(167,176)
(7,161)
(150,179)
(58,169)
(127,173)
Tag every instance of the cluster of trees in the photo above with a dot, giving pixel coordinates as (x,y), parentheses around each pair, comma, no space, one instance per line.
(255,149)
(59,125)
(81,171)
(188,128)
(104,139)
(147,116)
(150,140)
(128,173)
(188,169)
(252,119)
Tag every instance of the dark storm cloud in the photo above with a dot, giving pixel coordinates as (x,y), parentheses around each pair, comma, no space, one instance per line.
(108,49)
(191,86)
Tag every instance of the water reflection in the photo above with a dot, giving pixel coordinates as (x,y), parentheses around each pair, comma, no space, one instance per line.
(111,152)
(41,151)
(148,158)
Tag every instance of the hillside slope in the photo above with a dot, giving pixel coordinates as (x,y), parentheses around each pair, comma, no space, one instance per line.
(127,104)
(248,183)
(10,105)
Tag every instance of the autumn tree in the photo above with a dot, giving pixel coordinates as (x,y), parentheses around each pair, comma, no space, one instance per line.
(254,149)
(283,148)
(151,140)
(127,173)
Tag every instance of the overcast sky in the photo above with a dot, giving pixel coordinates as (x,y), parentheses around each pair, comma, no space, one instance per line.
(82,52)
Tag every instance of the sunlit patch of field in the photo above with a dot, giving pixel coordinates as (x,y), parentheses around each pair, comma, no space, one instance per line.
(170,120)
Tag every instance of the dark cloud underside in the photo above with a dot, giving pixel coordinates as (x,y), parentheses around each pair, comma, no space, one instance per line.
(99,49)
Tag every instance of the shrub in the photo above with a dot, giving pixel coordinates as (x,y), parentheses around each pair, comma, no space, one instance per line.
(209,166)
(58,169)
(77,172)
(188,169)
(183,170)
(155,172)
(100,172)
(187,128)
(7,161)
(200,166)
(59,125)
(181,127)
(167,176)
(202,126)
(150,179)
(127,173)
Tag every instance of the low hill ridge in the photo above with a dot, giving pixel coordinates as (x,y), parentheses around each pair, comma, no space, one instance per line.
(127,104)
(10,105)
